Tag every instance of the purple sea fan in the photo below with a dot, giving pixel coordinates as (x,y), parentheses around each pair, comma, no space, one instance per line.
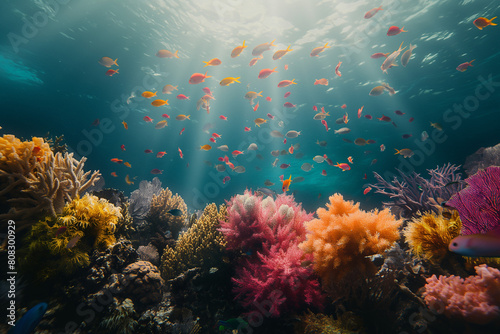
(479,203)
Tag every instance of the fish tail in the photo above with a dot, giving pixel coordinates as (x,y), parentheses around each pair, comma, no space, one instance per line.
(380,8)
(491,23)
(293,82)
(207,76)
(403,30)
(401,46)
(326,45)
(188,117)
(236,79)
(243,43)
(175,54)
(470,63)
(272,43)
(206,63)
(397,151)
(260,93)
(166,102)
(117,58)
(288,48)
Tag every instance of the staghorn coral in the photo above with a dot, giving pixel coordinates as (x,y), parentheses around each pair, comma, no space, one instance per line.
(475,299)
(34,181)
(201,246)
(343,236)
(414,194)
(478,204)
(158,214)
(89,219)
(430,235)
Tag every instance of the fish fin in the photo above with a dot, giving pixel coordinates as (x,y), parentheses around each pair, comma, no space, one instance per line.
(272,43)
(293,82)
(326,45)
(397,151)
(259,93)
(380,8)
(175,54)
(188,117)
(288,48)
(206,63)
(403,30)
(470,63)
(274,69)
(118,65)
(491,23)
(236,79)
(207,76)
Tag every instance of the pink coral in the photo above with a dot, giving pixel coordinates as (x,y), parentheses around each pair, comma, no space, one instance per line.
(277,283)
(475,299)
(254,222)
(275,276)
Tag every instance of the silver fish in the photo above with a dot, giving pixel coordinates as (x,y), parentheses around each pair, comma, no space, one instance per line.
(389,61)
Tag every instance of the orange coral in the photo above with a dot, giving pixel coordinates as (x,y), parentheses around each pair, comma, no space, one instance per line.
(18,156)
(343,236)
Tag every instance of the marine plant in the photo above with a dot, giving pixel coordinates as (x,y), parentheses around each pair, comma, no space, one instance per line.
(414,194)
(274,271)
(61,245)
(35,182)
(122,320)
(161,214)
(343,236)
(202,245)
(475,299)
(429,235)
(479,203)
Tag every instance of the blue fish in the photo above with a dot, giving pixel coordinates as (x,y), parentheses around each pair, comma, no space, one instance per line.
(30,320)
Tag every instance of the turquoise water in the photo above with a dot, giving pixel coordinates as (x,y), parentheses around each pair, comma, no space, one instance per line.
(51,81)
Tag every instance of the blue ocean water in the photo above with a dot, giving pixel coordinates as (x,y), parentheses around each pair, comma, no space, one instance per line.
(51,81)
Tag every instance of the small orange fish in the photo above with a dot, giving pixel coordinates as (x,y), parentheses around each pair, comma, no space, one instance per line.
(343,166)
(148,94)
(482,22)
(180,153)
(118,161)
(110,73)
(290,149)
(212,62)
(316,51)
(266,72)
(125,125)
(206,147)
(127,164)
(127,179)
(167,54)
(256,107)
(367,190)
(114,174)
(237,50)
(159,103)
(286,184)
(321,81)
(349,159)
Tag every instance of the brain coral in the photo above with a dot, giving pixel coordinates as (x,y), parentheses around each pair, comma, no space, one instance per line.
(343,236)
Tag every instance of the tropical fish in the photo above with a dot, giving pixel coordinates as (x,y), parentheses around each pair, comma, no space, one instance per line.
(286,83)
(167,54)
(337,72)
(285,184)
(393,30)
(229,80)
(344,166)
(159,103)
(148,151)
(180,153)
(237,50)
(160,154)
(175,212)
(437,126)
(197,78)
(287,94)
(399,112)
(156,171)
(384,118)
(118,161)
(323,172)
(259,121)
(482,22)
(368,116)
(477,245)
(239,169)
(388,88)
(360,141)
(319,159)
(167,89)
(255,60)
(222,117)
(345,118)
(114,174)
(225,179)
(247,129)
(182,117)
(325,124)
(182,97)
(110,73)
(320,116)
(182,130)
(280,53)
(379,55)
(360,110)
(407,135)
(235,153)
(349,158)
(284,166)
(405,58)
(463,67)
(298,179)
(108,62)
(269,99)
(382,148)
(292,134)
(289,105)
(367,190)
(405,152)
(256,107)
(205,147)
(61,230)
(261,48)
(252,147)
(122,147)
(372,12)
(72,242)
(316,51)
(389,61)
(251,95)
(127,164)
(148,94)
(321,81)
(264,73)
(212,62)
(29,320)
(411,119)
(378,90)
(424,136)
(223,148)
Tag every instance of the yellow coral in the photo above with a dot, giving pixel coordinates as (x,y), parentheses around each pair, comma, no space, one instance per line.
(343,236)
(18,156)
(89,218)
(201,246)
(429,235)
(160,205)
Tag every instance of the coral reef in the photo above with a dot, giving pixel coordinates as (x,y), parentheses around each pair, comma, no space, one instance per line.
(149,253)
(34,181)
(414,194)
(312,323)
(87,222)
(124,225)
(343,236)
(56,144)
(482,159)
(122,319)
(274,270)
(430,235)
(160,212)
(140,199)
(140,281)
(478,203)
(475,299)
(201,246)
